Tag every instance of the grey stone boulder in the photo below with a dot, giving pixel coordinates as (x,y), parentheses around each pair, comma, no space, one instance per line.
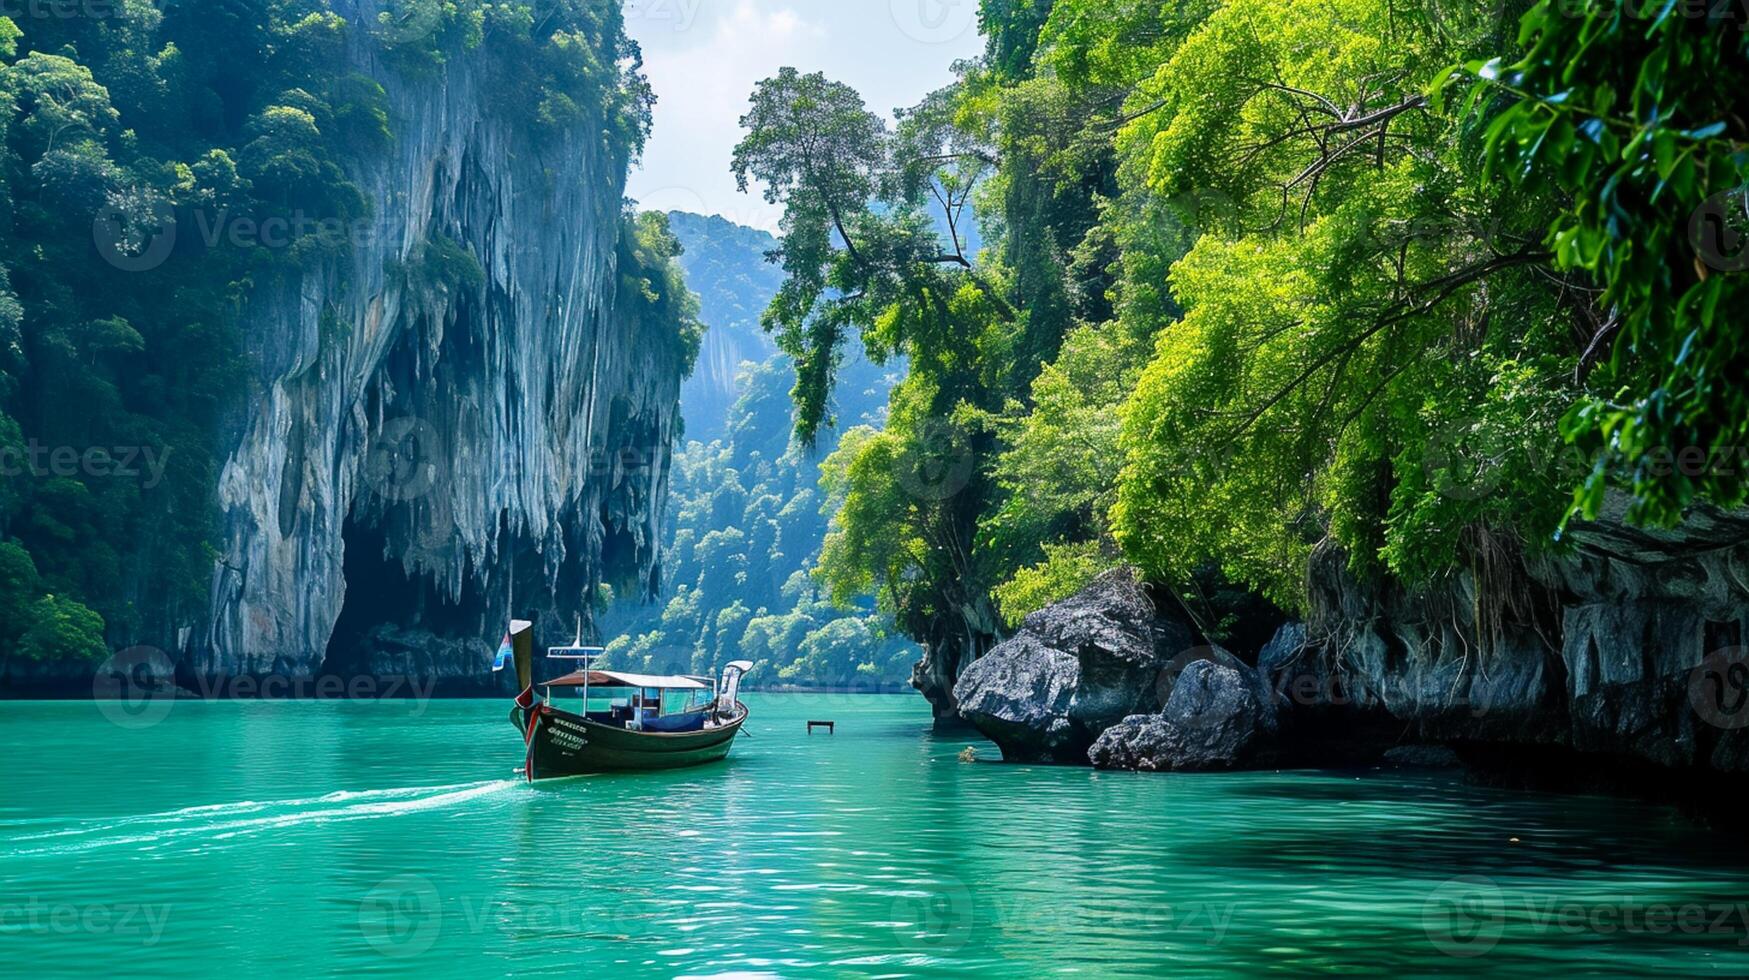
(1074,669)
(1019,695)
(1212,720)
(1265,699)
(1284,654)
(1120,641)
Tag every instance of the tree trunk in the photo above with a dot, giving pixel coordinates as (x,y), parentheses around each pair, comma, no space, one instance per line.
(947,654)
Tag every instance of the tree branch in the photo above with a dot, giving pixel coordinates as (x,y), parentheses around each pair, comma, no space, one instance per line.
(1445,286)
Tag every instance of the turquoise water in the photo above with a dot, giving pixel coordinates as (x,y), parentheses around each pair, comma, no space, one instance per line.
(275,839)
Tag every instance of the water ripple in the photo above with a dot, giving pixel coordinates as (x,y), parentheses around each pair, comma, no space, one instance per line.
(871,852)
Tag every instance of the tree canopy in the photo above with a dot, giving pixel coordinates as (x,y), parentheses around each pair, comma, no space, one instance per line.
(746,519)
(1262,278)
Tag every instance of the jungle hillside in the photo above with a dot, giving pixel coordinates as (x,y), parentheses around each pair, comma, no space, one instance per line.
(748,514)
(1414,285)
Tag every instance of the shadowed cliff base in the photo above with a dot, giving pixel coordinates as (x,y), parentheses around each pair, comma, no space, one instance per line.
(1615,667)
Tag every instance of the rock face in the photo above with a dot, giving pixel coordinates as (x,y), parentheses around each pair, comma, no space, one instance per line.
(409,447)
(1624,654)
(1074,669)
(1213,719)
(1020,696)
(1629,647)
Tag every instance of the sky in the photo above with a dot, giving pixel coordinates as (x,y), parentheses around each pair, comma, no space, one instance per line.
(703,58)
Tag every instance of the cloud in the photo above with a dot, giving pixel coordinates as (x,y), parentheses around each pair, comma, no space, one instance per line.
(705,56)
(702,78)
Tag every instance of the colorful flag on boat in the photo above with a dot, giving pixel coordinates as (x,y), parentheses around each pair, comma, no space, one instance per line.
(504,655)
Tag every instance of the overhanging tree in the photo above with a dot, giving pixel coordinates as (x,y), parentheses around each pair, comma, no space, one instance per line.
(863,258)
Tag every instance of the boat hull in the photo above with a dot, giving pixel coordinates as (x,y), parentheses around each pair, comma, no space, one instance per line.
(561,743)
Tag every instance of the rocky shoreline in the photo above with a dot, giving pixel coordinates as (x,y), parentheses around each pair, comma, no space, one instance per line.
(1617,664)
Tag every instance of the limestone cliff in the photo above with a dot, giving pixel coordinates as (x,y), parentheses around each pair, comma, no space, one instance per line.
(411,438)
(1627,646)
(1620,658)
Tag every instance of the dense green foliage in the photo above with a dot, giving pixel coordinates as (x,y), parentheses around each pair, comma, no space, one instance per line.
(1356,309)
(557,64)
(1256,278)
(746,519)
(1262,278)
(863,255)
(745,525)
(652,288)
(146,154)
(1633,113)
(746,522)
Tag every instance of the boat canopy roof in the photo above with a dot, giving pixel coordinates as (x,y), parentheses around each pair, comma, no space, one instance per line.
(613,678)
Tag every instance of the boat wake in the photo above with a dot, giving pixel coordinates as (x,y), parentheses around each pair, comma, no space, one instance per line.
(223,821)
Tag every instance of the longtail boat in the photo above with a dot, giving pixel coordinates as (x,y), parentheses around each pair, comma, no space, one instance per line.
(614,721)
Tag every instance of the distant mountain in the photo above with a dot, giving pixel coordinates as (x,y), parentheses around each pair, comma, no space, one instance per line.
(725,265)
(745,522)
